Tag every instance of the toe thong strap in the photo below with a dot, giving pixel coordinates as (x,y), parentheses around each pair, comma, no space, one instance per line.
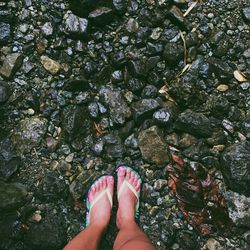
(105,191)
(131,187)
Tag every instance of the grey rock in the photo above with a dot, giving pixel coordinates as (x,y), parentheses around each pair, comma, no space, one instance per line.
(11,64)
(119,110)
(246,13)
(5,33)
(144,107)
(132,25)
(12,195)
(29,133)
(119,5)
(47,29)
(173,53)
(194,123)
(152,146)
(75,25)
(101,16)
(236,168)
(238,208)
(9,167)
(5,92)
(114,147)
(131,142)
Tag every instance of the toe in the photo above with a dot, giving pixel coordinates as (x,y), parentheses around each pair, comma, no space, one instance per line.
(132,178)
(110,183)
(104,182)
(121,175)
(137,186)
(128,175)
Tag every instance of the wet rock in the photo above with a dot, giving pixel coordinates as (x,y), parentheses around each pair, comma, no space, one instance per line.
(221,69)
(5,33)
(238,208)
(113,146)
(9,167)
(80,184)
(11,64)
(144,107)
(173,53)
(49,234)
(101,16)
(194,123)
(235,167)
(153,147)
(75,122)
(52,188)
(5,92)
(75,26)
(119,110)
(246,13)
(12,195)
(50,65)
(29,133)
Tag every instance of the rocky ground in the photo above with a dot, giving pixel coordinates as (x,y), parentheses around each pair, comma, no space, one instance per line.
(160,85)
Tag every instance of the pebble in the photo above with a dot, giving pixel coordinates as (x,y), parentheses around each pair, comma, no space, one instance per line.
(50,65)
(222,88)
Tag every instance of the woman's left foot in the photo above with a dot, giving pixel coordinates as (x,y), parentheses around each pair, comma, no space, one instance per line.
(101,211)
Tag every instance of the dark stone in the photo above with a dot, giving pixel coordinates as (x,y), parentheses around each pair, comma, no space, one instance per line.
(144,107)
(176,16)
(194,123)
(135,85)
(142,35)
(9,167)
(52,188)
(101,16)
(173,53)
(218,105)
(119,59)
(154,48)
(235,164)
(82,7)
(114,147)
(49,234)
(75,122)
(104,75)
(12,195)
(119,110)
(6,16)
(77,85)
(5,33)
(221,43)
(95,109)
(5,92)
(246,127)
(168,233)
(197,151)
(221,69)
(90,68)
(187,240)
(137,69)
(150,91)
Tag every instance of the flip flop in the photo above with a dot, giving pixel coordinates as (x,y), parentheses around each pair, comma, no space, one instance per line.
(98,197)
(126,183)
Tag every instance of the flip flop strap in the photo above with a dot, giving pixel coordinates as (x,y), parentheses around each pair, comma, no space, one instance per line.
(106,191)
(126,183)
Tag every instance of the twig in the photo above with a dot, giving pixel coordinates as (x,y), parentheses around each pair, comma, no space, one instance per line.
(190,8)
(185,47)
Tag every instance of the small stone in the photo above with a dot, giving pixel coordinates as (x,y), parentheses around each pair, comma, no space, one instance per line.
(132,25)
(213,244)
(228,125)
(50,65)
(47,29)
(152,146)
(37,216)
(52,143)
(160,184)
(101,16)
(210,15)
(11,64)
(5,33)
(69,158)
(75,25)
(222,88)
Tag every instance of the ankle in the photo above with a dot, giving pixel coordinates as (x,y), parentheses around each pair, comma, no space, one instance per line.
(127,223)
(97,227)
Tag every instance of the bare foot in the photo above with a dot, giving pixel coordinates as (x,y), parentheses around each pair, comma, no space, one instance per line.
(101,211)
(127,201)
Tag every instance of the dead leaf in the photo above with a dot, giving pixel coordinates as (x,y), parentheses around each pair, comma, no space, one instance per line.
(185,47)
(239,76)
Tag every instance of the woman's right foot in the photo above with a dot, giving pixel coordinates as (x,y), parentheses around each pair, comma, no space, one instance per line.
(127,200)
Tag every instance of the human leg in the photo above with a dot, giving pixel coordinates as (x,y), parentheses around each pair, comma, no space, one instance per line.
(130,235)
(99,216)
